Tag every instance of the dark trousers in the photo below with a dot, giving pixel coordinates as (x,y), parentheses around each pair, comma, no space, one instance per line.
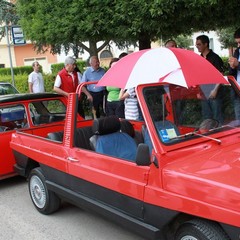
(97,103)
(115,108)
(80,109)
(212,109)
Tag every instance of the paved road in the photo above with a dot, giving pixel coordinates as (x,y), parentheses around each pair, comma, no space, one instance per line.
(19,220)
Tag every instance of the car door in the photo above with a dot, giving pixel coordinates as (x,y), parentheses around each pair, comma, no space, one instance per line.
(112,181)
(12,117)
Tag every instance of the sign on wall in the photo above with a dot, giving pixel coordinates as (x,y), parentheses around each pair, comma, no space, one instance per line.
(17,35)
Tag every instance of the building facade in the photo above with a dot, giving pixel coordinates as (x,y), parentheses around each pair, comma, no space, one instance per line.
(23,54)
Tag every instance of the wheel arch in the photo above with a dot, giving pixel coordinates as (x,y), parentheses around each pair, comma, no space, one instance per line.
(31,164)
(183,218)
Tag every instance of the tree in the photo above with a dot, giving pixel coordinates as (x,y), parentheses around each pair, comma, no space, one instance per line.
(68,24)
(144,21)
(50,25)
(226,38)
(7,13)
(184,41)
(8,16)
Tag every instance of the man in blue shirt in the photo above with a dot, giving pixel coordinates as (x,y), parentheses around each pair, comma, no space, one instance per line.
(95,73)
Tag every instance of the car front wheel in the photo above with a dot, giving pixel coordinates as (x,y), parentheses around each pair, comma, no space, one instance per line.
(45,201)
(198,229)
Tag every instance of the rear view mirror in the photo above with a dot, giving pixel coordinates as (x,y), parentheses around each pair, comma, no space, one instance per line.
(143,155)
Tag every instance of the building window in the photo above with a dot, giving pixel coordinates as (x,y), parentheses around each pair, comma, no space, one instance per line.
(106,54)
(2,65)
(211,43)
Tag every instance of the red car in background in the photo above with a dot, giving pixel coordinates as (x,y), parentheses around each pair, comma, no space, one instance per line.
(7,88)
(32,112)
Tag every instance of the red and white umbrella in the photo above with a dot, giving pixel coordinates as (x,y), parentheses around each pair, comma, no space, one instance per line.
(171,65)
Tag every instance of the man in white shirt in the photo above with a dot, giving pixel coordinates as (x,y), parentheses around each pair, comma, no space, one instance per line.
(35,80)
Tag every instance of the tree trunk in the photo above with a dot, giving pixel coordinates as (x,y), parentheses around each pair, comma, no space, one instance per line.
(93,50)
(144,41)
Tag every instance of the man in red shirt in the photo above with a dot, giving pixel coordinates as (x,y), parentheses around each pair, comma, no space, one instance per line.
(67,81)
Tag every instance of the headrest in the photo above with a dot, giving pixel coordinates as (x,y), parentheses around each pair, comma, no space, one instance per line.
(106,125)
(127,127)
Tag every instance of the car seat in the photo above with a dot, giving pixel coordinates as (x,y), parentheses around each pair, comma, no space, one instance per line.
(128,128)
(108,139)
(41,119)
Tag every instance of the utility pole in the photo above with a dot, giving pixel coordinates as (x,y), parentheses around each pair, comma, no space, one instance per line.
(10,55)
(8,17)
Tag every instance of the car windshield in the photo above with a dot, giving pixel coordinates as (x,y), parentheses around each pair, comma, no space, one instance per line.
(179,113)
(47,111)
(7,88)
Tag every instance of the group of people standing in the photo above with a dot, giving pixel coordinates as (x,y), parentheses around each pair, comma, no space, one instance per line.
(108,101)
(212,105)
(123,102)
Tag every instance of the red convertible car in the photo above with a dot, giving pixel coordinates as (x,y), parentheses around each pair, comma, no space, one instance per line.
(32,112)
(174,175)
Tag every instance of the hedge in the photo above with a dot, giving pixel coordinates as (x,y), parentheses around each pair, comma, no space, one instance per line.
(21,76)
(17,70)
(55,68)
(21,81)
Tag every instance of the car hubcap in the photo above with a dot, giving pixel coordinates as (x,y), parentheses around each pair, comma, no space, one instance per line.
(38,192)
(188,237)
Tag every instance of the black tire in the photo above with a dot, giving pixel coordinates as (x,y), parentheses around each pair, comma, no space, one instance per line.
(198,229)
(45,201)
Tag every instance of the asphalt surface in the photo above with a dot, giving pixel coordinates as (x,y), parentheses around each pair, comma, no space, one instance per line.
(21,221)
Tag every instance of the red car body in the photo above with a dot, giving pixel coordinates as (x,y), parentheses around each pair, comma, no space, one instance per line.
(14,110)
(186,187)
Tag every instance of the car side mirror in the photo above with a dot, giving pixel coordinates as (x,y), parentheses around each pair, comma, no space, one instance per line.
(143,155)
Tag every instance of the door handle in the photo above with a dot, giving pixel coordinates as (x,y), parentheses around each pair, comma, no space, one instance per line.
(72,159)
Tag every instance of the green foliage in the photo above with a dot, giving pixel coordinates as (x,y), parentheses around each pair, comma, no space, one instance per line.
(21,75)
(16,70)
(49,80)
(184,41)
(124,22)
(21,81)
(82,65)
(50,24)
(226,37)
(7,13)
(55,68)
(226,65)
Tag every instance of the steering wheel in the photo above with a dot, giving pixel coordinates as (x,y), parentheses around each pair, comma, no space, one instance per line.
(206,125)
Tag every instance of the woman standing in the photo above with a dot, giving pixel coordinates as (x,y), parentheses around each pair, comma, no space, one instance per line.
(131,103)
(114,106)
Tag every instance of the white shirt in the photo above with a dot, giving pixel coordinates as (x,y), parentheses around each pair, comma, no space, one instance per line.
(131,105)
(36,79)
